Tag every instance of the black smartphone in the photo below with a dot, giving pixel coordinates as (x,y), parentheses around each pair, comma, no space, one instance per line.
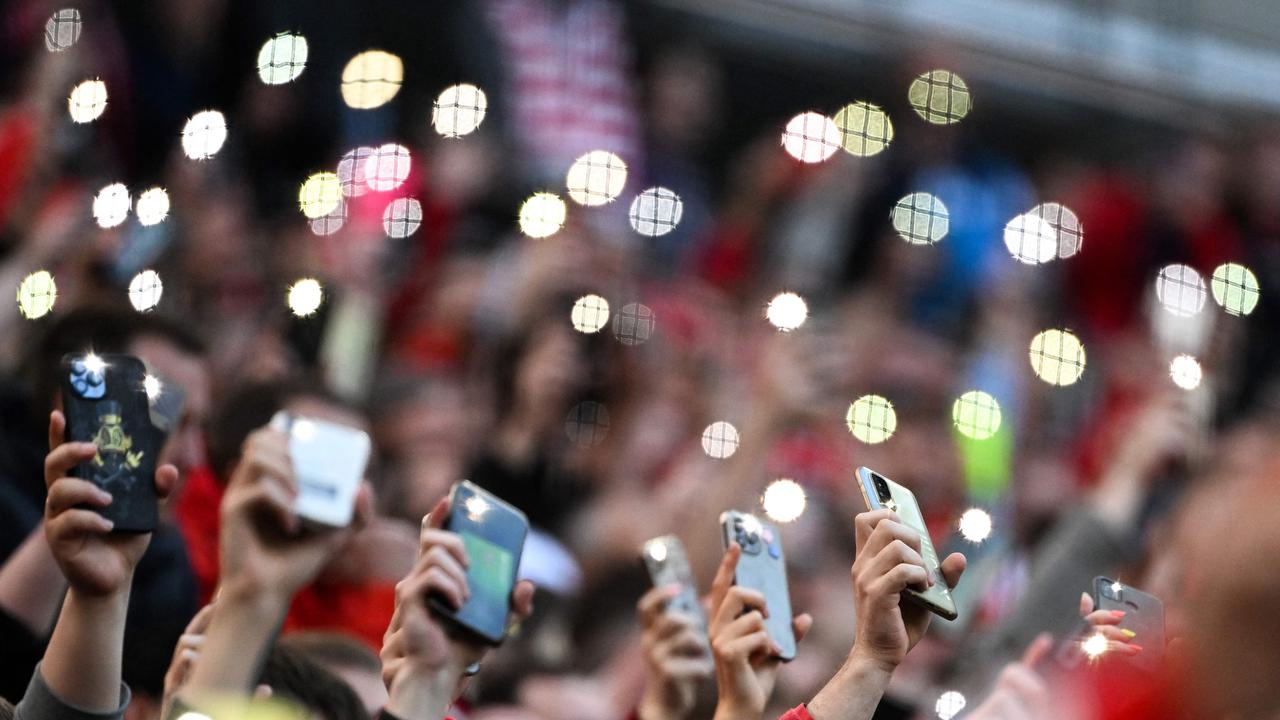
(667,563)
(762,567)
(1143,616)
(107,401)
(493,533)
(879,492)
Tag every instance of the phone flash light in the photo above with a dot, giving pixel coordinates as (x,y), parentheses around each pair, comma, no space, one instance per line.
(1116,587)
(94,364)
(477,506)
(152,385)
(1094,646)
(751,524)
(303,430)
(658,551)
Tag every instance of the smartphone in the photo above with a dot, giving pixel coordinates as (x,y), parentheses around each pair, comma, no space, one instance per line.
(1143,615)
(881,492)
(667,563)
(105,400)
(493,533)
(329,461)
(762,567)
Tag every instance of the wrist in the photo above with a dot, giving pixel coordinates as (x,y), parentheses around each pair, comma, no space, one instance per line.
(868,667)
(418,693)
(253,594)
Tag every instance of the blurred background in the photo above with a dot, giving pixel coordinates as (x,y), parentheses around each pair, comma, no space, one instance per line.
(1028,242)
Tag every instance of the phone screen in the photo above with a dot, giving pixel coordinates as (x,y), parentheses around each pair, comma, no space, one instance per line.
(488,576)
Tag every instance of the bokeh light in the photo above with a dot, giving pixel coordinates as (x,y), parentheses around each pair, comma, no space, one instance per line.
(588,423)
(331,222)
(1065,223)
(1181,290)
(204,135)
(145,290)
(87,101)
(371,79)
(320,194)
(1235,288)
(387,167)
(596,178)
(633,324)
(1186,372)
(920,218)
(590,314)
(1057,356)
(786,311)
(459,110)
(940,97)
(351,170)
(783,500)
(62,30)
(542,215)
(1030,239)
(720,440)
(949,704)
(1095,646)
(871,419)
(153,206)
(402,217)
(152,386)
(282,58)
(865,129)
(305,297)
(976,415)
(811,137)
(655,212)
(36,294)
(111,205)
(975,525)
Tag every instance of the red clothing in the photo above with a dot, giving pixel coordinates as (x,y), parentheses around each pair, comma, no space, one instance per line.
(362,611)
(799,712)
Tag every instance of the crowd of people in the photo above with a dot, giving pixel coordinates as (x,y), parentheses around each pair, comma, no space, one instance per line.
(457,348)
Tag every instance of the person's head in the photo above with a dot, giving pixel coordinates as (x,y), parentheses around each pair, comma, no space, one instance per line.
(347,659)
(294,677)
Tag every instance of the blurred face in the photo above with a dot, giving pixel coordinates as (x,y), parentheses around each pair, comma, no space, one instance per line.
(185,447)
(549,372)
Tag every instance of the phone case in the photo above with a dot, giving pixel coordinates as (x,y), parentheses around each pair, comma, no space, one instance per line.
(105,402)
(667,563)
(493,532)
(329,461)
(763,567)
(938,597)
(1144,615)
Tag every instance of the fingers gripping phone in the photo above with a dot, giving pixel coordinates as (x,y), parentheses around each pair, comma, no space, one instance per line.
(329,461)
(493,533)
(762,567)
(107,401)
(1143,615)
(880,492)
(667,563)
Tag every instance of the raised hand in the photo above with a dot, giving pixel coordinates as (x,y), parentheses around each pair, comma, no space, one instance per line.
(425,663)
(95,561)
(888,561)
(677,655)
(746,660)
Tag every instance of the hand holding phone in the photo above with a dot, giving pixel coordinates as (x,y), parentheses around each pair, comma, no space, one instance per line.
(1131,619)
(493,534)
(668,566)
(762,568)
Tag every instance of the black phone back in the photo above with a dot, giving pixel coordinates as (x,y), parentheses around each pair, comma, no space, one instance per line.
(105,402)
(763,567)
(493,533)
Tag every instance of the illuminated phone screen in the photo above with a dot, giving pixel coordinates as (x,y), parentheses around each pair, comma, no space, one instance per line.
(488,577)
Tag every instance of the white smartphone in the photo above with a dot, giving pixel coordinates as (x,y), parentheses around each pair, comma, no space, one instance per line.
(329,461)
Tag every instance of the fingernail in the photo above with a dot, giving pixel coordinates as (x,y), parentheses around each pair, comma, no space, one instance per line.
(110,525)
(105,496)
(1135,647)
(1128,633)
(1117,613)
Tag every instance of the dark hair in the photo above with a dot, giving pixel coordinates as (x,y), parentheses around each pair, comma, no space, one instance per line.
(106,329)
(293,676)
(333,650)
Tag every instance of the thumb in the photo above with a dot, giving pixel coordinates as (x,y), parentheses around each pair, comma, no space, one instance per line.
(1086,604)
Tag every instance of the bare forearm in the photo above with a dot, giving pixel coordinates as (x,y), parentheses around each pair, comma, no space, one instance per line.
(423,696)
(236,644)
(31,585)
(853,693)
(82,665)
